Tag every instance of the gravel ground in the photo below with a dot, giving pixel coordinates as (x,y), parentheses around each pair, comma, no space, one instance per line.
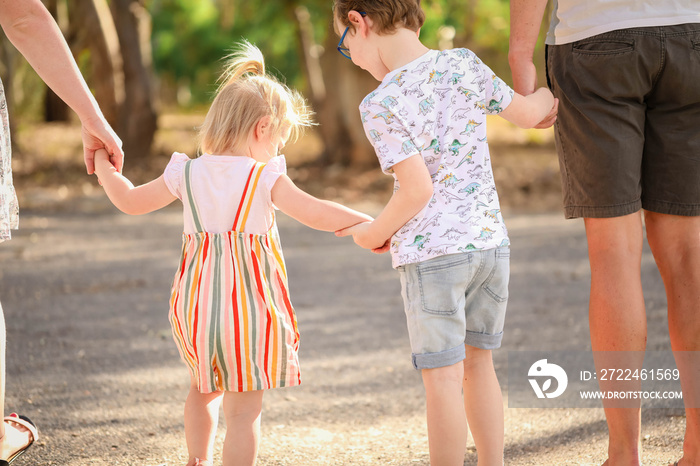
(91,359)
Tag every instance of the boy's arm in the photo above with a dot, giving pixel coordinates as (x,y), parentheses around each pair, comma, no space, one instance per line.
(311,211)
(127,198)
(538,109)
(414,193)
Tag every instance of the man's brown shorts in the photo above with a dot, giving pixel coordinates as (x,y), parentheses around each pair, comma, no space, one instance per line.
(628,130)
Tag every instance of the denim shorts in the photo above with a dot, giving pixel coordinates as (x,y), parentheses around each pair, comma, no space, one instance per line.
(455,300)
(628,129)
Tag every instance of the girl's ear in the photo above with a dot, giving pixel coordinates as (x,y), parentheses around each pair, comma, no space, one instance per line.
(262,128)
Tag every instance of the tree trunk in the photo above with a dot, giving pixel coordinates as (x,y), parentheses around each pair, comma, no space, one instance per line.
(138,120)
(92,28)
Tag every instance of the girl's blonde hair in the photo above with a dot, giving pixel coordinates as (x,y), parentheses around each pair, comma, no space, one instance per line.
(245,95)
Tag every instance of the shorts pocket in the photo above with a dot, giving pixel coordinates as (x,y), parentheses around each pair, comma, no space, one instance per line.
(602,47)
(496,284)
(443,282)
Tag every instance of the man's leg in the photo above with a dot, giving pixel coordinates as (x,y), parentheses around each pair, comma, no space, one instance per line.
(675,243)
(617,320)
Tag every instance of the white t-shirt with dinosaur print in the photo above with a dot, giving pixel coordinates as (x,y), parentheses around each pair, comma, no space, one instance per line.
(436,106)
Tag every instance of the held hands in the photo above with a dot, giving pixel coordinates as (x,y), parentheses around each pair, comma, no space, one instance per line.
(551,116)
(525,83)
(97,134)
(102,163)
(362,237)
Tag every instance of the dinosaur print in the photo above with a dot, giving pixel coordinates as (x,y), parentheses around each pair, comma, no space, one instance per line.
(414,89)
(456,78)
(463,210)
(375,135)
(442,93)
(492,214)
(468,93)
(434,145)
(456,146)
(437,109)
(470,188)
(449,197)
(426,105)
(471,127)
(408,147)
(389,102)
(468,248)
(486,233)
(450,180)
(420,240)
(468,157)
(387,116)
(436,76)
(461,114)
(430,221)
(453,234)
(494,106)
(397,79)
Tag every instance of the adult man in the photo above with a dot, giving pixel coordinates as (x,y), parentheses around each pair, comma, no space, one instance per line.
(628,136)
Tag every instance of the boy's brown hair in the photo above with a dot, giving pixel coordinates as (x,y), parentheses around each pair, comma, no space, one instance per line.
(387,15)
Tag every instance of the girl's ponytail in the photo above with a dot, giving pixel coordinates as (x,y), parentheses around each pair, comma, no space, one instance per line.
(245,95)
(248,59)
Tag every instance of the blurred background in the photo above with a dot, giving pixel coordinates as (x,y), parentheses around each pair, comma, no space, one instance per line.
(153,65)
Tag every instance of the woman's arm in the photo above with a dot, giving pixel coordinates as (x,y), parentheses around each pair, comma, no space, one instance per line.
(313,212)
(127,198)
(32,29)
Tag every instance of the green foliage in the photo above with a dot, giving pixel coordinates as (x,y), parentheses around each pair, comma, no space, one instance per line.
(190,37)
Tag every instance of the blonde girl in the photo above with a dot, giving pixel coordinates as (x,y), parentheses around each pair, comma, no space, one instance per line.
(230,312)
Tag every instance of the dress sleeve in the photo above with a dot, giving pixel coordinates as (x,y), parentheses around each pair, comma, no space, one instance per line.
(174,172)
(276,167)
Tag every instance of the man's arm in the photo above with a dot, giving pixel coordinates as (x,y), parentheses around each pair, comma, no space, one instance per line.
(525,21)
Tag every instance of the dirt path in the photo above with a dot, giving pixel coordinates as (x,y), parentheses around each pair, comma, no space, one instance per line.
(91,360)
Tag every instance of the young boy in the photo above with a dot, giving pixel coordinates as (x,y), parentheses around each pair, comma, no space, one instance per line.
(443,225)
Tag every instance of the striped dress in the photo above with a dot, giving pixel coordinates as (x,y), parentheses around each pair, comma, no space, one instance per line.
(230,312)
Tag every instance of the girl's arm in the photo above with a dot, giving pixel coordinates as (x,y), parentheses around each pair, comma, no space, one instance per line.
(414,193)
(127,198)
(537,109)
(313,212)
(32,29)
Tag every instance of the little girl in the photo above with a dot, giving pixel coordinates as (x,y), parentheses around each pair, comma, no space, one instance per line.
(230,312)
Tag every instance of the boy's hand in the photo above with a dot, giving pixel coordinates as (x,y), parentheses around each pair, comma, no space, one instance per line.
(384,248)
(362,237)
(551,116)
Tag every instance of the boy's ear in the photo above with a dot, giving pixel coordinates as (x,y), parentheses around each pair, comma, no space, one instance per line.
(358,22)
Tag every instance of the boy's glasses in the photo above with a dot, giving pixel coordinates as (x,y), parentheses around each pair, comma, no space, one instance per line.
(344,51)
